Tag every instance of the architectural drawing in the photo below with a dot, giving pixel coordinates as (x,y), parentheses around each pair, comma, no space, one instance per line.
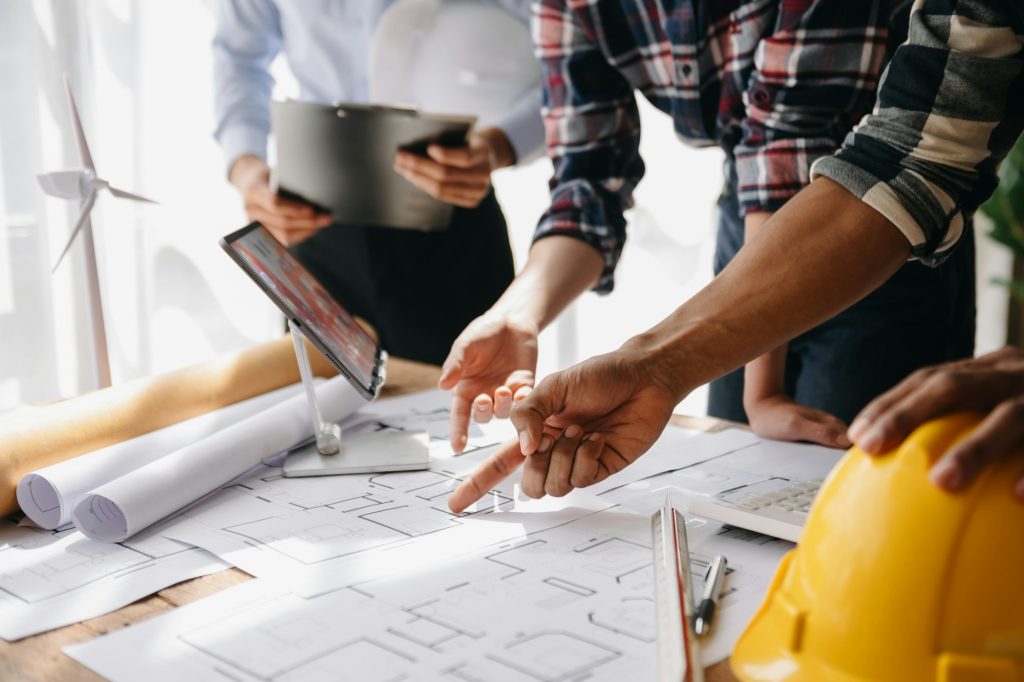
(52,578)
(572,602)
(317,531)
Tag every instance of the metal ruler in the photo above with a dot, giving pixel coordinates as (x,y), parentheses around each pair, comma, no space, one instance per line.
(678,651)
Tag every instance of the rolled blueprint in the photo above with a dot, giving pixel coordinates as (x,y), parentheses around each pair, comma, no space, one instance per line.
(117,510)
(37,437)
(49,496)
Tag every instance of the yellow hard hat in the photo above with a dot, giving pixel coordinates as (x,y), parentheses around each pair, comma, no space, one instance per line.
(895,579)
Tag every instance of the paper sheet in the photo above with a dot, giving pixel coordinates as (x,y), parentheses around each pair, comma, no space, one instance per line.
(52,579)
(676,448)
(567,603)
(121,508)
(764,463)
(49,495)
(322,533)
(430,411)
(316,532)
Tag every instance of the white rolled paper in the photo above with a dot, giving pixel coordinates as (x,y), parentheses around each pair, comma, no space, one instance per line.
(121,508)
(49,495)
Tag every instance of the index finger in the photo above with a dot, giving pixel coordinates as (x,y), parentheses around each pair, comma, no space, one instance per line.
(460,157)
(496,469)
(459,424)
(289,207)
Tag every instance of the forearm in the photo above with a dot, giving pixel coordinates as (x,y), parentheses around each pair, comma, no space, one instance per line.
(763,376)
(558,270)
(822,252)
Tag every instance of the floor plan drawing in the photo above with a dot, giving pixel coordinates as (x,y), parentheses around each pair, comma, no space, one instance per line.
(312,530)
(51,578)
(316,531)
(567,603)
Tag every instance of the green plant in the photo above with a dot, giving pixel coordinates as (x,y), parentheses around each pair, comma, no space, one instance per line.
(1006,209)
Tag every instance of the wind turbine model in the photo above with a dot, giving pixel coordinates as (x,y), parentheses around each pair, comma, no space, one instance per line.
(84,185)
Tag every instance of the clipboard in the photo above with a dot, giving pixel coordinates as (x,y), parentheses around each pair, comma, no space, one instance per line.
(339,159)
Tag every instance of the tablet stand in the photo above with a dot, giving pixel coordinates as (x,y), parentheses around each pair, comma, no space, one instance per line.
(365,451)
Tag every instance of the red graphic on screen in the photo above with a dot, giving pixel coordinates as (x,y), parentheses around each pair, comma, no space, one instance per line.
(309,302)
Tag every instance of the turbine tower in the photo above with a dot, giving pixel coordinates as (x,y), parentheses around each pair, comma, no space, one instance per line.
(83,185)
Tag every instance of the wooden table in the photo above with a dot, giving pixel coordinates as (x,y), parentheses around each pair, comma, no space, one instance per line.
(40,658)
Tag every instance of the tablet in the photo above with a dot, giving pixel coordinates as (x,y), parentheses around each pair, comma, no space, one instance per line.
(305,302)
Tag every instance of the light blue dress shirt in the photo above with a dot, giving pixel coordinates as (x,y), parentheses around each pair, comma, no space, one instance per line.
(327,44)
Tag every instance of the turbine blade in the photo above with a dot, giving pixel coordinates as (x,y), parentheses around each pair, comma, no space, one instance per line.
(82,219)
(63,184)
(121,194)
(83,146)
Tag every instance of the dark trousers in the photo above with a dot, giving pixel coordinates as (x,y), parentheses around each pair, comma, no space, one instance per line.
(921,316)
(419,290)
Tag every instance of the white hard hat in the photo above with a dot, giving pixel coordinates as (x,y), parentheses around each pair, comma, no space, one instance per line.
(452,57)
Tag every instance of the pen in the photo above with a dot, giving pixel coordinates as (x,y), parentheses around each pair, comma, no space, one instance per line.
(712,589)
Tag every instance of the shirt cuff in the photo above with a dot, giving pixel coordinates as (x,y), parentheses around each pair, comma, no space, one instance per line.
(524,127)
(241,139)
(577,212)
(768,176)
(927,216)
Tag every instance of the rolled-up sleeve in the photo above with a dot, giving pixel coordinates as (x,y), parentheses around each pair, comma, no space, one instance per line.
(592,126)
(949,109)
(246,41)
(813,77)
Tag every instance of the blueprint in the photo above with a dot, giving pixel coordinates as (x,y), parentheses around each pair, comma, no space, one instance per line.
(49,579)
(760,464)
(569,602)
(429,411)
(322,533)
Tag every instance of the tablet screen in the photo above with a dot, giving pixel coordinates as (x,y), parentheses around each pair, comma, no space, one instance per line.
(301,297)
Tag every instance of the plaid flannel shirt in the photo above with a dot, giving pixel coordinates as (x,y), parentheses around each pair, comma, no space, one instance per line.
(777,83)
(950,107)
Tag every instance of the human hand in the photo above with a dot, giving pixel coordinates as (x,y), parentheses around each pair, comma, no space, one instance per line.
(578,427)
(289,221)
(458,175)
(992,384)
(780,418)
(490,366)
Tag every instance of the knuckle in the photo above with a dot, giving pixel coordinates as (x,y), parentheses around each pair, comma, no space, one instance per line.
(897,421)
(968,455)
(922,374)
(947,383)
(1011,411)
(1009,353)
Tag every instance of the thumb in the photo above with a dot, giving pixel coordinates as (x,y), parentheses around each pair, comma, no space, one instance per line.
(530,413)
